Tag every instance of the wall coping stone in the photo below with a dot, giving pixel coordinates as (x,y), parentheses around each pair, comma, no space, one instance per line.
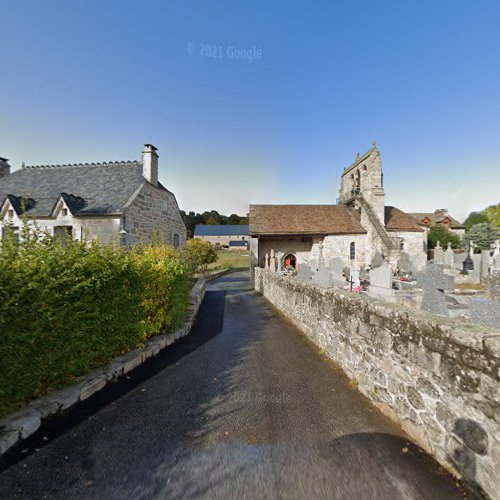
(25,422)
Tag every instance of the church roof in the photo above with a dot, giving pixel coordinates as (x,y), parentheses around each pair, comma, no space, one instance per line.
(397,220)
(303,219)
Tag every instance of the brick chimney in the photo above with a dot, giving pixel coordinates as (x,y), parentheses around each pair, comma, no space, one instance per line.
(4,167)
(150,164)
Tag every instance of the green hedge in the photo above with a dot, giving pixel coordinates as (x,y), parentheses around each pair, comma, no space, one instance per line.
(67,307)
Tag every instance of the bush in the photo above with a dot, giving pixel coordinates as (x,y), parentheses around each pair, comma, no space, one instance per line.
(200,254)
(165,297)
(67,307)
(443,236)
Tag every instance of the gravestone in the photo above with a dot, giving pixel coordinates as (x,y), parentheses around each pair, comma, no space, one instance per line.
(381,280)
(438,254)
(485,312)
(405,263)
(304,272)
(335,266)
(449,257)
(485,264)
(495,260)
(313,264)
(377,260)
(432,281)
(458,260)
(279,256)
(493,285)
(354,277)
(272,262)
(448,283)
(323,278)
(266,261)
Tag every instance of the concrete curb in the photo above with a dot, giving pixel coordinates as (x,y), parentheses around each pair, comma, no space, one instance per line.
(24,423)
(218,274)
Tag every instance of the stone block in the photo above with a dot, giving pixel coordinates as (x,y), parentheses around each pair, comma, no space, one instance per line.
(66,397)
(147,352)
(414,398)
(420,356)
(91,386)
(8,438)
(25,423)
(46,406)
(492,345)
(132,360)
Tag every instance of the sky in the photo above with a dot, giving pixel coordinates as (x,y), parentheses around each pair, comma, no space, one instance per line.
(261,102)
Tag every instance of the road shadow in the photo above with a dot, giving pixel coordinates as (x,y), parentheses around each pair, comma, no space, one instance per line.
(209,323)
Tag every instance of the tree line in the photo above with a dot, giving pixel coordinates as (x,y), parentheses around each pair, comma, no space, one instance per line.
(212,217)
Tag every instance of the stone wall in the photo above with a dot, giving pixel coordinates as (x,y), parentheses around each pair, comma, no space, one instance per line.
(438,378)
(154,211)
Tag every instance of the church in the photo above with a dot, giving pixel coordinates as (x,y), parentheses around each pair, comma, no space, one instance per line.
(355,229)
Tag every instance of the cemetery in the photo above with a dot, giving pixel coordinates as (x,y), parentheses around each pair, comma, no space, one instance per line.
(462,285)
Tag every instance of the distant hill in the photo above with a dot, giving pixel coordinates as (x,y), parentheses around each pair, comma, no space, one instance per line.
(213,217)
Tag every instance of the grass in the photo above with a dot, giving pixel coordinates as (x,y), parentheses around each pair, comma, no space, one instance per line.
(229,259)
(469,286)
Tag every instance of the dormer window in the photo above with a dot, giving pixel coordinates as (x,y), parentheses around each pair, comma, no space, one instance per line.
(10,213)
(64,212)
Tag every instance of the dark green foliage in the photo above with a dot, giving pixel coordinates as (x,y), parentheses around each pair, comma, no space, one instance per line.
(67,307)
(444,236)
(475,218)
(483,235)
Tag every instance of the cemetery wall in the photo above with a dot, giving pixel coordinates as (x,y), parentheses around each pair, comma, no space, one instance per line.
(437,377)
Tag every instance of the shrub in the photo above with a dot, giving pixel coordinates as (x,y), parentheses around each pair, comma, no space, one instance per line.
(165,297)
(67,307)
(444,236)
(200,254)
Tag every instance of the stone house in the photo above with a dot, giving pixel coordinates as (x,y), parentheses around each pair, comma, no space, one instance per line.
(231,236)
(354,230)
(439,217)
(118,202)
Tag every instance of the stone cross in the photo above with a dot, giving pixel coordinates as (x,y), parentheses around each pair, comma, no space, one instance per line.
(471,248)
(266,261)
(280,261)
(321,264)
(433,283)
(272,265)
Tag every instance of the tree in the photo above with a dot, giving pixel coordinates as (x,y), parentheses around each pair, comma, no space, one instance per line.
(475,218)
(483,235)
(200,254)
(444,236)
(493,214)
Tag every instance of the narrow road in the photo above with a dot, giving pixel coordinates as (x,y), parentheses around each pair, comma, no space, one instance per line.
(244,407)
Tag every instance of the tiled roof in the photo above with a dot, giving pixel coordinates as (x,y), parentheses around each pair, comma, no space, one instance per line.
(436,218)
(397,220)
(221,230)
(90,188)
(303,219)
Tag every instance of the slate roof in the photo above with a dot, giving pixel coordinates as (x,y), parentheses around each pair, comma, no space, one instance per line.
(303,219)
(397,220)
(221,230)
(89,189)
(437,217)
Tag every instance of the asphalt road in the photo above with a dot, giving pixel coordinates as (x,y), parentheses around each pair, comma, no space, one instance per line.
(244,407)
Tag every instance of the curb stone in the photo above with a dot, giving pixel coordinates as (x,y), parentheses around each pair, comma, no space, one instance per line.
(25,422)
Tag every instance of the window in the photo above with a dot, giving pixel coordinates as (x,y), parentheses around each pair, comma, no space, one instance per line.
(63,232)
(176,241)
(10,213)
(14,230)
(352,250)
(64,212)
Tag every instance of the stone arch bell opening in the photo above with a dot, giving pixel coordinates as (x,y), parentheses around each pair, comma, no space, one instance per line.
(289,260)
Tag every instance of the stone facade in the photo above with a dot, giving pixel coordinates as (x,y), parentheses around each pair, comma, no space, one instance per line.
(115,202)
(154,213)
(437,377)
